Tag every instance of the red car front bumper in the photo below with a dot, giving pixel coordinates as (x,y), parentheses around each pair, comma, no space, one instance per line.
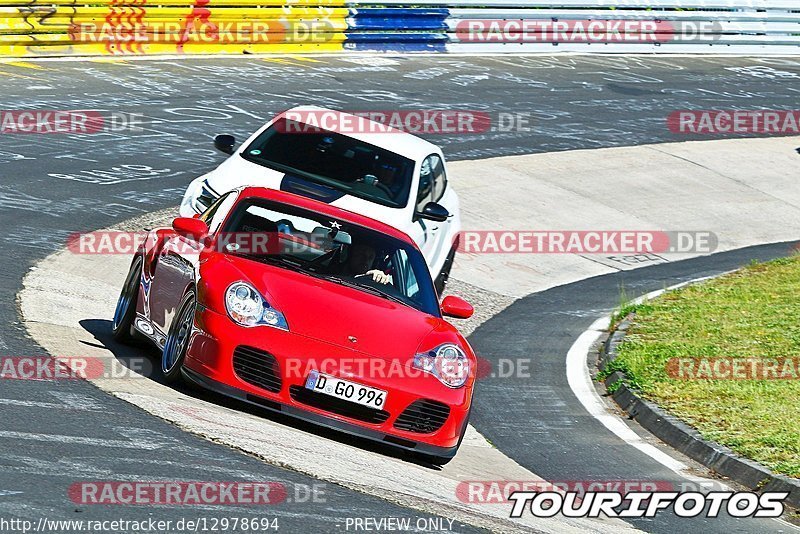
(210,363)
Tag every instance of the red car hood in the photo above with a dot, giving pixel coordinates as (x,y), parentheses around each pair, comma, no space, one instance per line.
(333,313)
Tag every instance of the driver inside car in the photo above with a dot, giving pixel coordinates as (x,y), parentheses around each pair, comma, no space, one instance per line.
(360,262)
(385,179)
(387,175)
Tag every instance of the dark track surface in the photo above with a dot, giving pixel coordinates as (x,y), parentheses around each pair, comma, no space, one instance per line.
(53,185)
(544,426)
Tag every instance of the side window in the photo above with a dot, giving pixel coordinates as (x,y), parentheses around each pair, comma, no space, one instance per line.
(425,191)
(217,212)
(439,178)
(405,280)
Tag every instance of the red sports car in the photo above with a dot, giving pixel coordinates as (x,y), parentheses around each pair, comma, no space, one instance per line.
(303,308)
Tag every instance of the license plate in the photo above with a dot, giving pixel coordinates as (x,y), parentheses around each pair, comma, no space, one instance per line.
(346,390)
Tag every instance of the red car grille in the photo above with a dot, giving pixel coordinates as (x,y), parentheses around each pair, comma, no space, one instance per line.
(338,406)
(423,416)
(258,368)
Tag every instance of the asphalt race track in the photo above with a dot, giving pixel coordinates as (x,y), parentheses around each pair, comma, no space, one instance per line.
(543,426)
(56,433)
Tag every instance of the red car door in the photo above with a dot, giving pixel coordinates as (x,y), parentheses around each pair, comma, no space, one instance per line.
(174,275)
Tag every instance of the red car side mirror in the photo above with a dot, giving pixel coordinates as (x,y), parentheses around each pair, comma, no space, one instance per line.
(194,229)
(457,307)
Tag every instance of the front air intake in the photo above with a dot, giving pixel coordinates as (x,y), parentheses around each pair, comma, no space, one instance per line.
(257,368)
(423,417)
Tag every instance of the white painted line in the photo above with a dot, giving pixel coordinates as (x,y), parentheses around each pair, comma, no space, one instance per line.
(4,493)
(31,404)
(75,402)
(580,381)
(581,384)
(81,440)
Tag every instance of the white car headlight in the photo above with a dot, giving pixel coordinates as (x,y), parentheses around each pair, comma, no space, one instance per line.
(446,362)
(205,198)
(248,308)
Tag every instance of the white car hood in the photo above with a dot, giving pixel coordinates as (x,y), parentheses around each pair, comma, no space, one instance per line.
(238,172)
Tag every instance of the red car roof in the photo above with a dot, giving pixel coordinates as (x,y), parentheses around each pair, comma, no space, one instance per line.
(321,207)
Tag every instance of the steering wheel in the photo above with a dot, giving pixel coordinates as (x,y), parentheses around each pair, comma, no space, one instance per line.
(371,179)
(385,189)
(319,259)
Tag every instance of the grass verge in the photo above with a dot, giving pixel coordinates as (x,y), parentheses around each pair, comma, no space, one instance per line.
(753,313)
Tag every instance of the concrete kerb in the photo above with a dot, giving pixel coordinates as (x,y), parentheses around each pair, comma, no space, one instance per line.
(677,434)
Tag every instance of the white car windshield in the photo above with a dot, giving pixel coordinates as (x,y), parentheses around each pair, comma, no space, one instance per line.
(335,160)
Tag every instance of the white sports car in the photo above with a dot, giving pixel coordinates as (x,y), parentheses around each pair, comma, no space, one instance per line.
(383,173)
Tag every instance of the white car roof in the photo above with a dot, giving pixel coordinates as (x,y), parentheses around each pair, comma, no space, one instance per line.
(391,139)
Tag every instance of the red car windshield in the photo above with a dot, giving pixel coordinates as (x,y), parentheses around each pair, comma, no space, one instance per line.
(339,251)
(338,161)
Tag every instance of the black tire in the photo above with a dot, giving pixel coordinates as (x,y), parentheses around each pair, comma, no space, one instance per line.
(177,344)
(441,281)
(122,325)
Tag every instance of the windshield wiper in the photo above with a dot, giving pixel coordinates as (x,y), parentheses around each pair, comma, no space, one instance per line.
(322,180)
(275,260)
(274,165)
(294,266)
(368,289)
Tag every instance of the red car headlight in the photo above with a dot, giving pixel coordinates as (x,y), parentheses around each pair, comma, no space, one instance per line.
(446,362)
(247,307)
